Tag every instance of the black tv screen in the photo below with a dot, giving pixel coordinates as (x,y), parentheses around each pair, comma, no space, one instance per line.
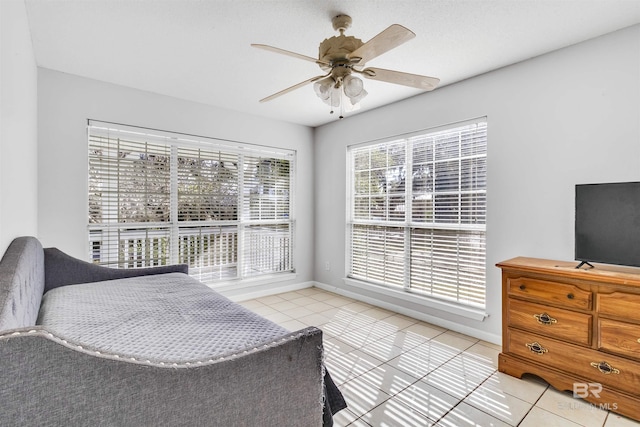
(607,226)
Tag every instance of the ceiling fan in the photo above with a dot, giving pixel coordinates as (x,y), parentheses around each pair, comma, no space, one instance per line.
(340,57)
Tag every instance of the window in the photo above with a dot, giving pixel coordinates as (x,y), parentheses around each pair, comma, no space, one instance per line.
(417,217)
(157,198)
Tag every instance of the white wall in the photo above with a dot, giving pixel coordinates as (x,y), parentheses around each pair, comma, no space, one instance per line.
(65,104)
(18,125)
(568,117)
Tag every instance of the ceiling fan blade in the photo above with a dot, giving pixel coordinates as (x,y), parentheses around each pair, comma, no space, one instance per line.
(292,88)
(400,78)
(288,53)
(392,37)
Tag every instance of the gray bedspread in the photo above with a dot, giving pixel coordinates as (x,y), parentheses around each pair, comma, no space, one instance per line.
(165,318)
(168,318)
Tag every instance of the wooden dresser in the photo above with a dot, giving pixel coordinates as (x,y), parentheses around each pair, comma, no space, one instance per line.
(579,330)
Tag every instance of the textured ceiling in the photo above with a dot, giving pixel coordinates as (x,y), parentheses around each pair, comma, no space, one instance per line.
(200,49)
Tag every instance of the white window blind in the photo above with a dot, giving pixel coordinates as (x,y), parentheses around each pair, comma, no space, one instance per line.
(207,185)
(266,189)
(418,213)
(158,198)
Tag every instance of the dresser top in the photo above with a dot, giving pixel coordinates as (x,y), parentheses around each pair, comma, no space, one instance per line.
(600,273)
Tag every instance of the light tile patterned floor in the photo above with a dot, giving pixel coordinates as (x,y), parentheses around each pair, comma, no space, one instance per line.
(395,371)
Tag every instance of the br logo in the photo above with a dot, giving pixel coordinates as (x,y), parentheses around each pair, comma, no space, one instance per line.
(583,390)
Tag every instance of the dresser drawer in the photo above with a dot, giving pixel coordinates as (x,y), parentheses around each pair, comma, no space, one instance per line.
(619,337)
(586,363)
(562,294)
(550,321)
(620,304)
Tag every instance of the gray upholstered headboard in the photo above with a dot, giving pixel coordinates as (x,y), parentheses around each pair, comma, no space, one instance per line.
(21,283)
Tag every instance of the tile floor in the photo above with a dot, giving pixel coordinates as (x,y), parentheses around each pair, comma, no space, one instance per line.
(398,371)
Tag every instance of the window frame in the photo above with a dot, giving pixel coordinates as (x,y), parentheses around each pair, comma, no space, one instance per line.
(282,227)
(407,224)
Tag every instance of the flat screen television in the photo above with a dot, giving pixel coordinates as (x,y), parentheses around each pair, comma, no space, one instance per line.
(607,225)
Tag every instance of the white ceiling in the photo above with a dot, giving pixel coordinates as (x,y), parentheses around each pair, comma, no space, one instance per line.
(200,50)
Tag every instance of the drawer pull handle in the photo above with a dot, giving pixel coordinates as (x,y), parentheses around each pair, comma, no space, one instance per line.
(638,340)
(522,287)
(536,348)
(570,296)
(605,368)
(545,319)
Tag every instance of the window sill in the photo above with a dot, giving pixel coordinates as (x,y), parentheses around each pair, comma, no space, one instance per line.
(457,309)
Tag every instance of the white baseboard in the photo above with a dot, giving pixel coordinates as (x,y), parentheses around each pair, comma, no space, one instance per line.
(463,329)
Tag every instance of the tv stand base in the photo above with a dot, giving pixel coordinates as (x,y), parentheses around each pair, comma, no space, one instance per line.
(583,263)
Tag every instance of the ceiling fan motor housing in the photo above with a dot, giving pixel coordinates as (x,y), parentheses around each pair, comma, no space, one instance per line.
(337,48)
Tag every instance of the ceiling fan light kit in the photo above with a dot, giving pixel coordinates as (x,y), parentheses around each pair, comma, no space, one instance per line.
(340,56)
(354,88)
